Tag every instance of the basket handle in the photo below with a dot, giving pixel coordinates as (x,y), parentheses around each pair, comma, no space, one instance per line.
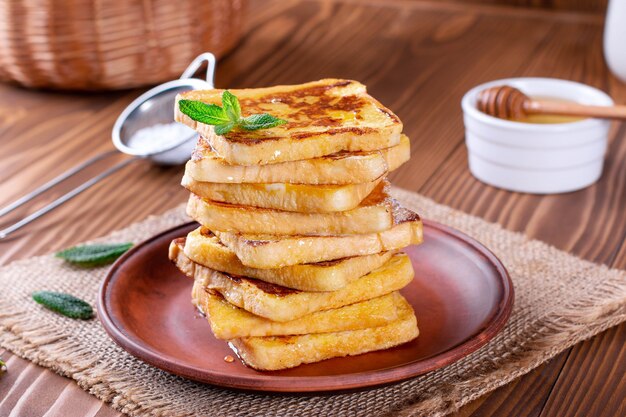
(207,57)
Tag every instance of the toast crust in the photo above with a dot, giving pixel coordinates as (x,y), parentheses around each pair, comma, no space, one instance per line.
(323,117)
(374,214)
(207,250)
(301,198)
(228,321)
(284,304)
(340,168)
(282,352)
(269,252)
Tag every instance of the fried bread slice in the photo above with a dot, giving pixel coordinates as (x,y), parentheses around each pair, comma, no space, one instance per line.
(340,168)
(282,304)
(228,321)
(207,250)
(303,198)
(282,352)
(374,214)
(267,251)
(323,117)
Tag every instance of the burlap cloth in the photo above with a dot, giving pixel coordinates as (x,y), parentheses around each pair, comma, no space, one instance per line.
(559,301)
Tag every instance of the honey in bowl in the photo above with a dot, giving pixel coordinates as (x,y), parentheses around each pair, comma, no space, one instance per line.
(548,118)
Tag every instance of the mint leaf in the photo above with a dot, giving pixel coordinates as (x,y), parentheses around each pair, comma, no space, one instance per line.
(94,255)
(260,121)
(64,304)
(210,114)
(224,129)
(227,117)
(230,104)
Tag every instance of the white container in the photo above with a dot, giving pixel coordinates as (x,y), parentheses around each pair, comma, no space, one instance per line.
(537,158)
(615,38)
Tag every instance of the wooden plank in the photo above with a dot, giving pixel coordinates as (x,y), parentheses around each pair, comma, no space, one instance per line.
(487,8)
(27,390)
(580,5)
(592,382)
(505,401)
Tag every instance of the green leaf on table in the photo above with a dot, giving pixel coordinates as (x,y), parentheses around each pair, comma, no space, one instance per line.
(228,117)
(94,255)
(64,304)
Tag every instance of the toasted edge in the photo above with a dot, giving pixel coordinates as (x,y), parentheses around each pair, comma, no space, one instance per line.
(284,304)
(268,252)
(340,168)
(282,352)
(206,249)
(302,198)
(228,321)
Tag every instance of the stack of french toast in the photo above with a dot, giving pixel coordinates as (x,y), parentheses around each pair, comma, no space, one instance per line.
(298,257)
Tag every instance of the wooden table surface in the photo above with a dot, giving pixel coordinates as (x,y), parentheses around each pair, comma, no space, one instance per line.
(418,58)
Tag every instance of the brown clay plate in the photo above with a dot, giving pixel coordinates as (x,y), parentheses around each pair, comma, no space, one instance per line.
(461,294)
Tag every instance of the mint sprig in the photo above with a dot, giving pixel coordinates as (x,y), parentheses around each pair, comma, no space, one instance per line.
(64,304)
(211,114)
(227,117)
(231,106)
(94,255)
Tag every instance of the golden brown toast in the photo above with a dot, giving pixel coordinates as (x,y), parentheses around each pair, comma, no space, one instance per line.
(340,168)
(285,304)
(374,214)
(228,321)
(206,249)
(323,117)
(302,198)
(268,251)
(281,352)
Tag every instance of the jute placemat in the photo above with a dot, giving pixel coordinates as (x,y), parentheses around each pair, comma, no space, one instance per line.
(559,301)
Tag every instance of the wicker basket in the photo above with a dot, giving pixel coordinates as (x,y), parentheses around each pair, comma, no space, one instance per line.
(110,44)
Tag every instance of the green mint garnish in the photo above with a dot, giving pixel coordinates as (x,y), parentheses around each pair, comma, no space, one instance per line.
(227,117)
(231,106)
(3,367)
(260,121)
(211,114)
(94,255)
(64,304)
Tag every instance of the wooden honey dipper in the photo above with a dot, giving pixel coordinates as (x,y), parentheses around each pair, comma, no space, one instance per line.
(507,102)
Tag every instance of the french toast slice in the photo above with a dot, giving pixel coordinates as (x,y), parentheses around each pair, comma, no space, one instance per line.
(282,304)
(323,117)
(206,249)
(228,321)
(374,214)
(268,252)
(340,168)
(302,198)
(281,352)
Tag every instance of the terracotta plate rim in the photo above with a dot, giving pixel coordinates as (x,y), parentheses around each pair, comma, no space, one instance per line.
(323,383)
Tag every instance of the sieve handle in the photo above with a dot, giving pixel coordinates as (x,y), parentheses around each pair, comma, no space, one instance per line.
(195,65)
